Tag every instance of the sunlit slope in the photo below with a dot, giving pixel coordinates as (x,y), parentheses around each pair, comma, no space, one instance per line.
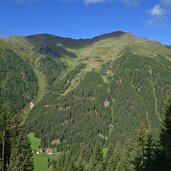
(88,89)
(123,84)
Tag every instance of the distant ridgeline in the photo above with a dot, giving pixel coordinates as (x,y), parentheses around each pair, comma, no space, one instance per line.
(86,90)
(168,46)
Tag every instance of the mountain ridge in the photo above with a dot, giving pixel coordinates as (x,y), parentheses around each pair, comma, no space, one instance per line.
(95,38)
(68,99)
(168,46)
(92,89)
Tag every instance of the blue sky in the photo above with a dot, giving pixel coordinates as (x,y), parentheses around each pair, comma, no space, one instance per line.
(87,18)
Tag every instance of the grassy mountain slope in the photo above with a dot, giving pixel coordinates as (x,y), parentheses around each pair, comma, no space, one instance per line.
(123,85)
(107,104)
(94,89)
(47,39)
(43,67)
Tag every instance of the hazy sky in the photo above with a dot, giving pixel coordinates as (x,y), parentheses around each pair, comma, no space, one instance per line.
(87,18)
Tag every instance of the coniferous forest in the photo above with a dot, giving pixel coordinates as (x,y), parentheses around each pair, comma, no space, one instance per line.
(100,104)
(15,149)
(141,152)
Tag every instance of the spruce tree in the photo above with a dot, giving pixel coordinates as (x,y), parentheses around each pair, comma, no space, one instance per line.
(5,142)
(149,151)
(149,154)
(97,163)
(108,156)
(113,157)
(70,161)
(61,162)
(21,153)
(165,141)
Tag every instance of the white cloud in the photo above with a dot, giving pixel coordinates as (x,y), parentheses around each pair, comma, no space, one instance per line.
(157,15)
(157,11)
(156,21)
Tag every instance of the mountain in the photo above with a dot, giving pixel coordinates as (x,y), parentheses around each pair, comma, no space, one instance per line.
(47,39)
(168,46)
(86,90)
(113,84)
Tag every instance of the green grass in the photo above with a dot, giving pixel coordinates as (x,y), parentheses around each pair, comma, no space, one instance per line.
(35,142)
(41,82)
(104,151)
(55,156)
(40,162)
(70,62)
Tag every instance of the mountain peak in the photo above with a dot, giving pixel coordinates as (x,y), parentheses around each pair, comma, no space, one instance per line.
(70,42)
(106,35)
(168,46)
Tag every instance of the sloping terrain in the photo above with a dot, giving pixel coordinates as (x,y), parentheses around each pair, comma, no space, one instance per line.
(90,89)
(118,82)
(18,83)
(107,104)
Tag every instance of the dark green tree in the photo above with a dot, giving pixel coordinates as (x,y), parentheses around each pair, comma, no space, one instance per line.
(157,156)
(165,141)
(97,163)
(149,156)
(113,157)
(5,142)
(21,153)
(70,164)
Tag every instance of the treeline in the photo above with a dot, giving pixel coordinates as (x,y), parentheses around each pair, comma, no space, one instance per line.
(142,152)
(15,150)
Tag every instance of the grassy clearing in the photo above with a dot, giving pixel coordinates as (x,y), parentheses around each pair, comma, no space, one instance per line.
(55,156)
(41,90)
(70,62)
(40,162)
(35,142)
(41,82)
(104,151)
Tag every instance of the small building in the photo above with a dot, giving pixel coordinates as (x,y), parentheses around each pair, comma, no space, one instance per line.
(49,151)
(31,105)
(39,151)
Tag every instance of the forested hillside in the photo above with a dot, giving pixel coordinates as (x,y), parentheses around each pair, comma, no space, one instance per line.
(141,152)
(97,102)
(105,102)
(18,83)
